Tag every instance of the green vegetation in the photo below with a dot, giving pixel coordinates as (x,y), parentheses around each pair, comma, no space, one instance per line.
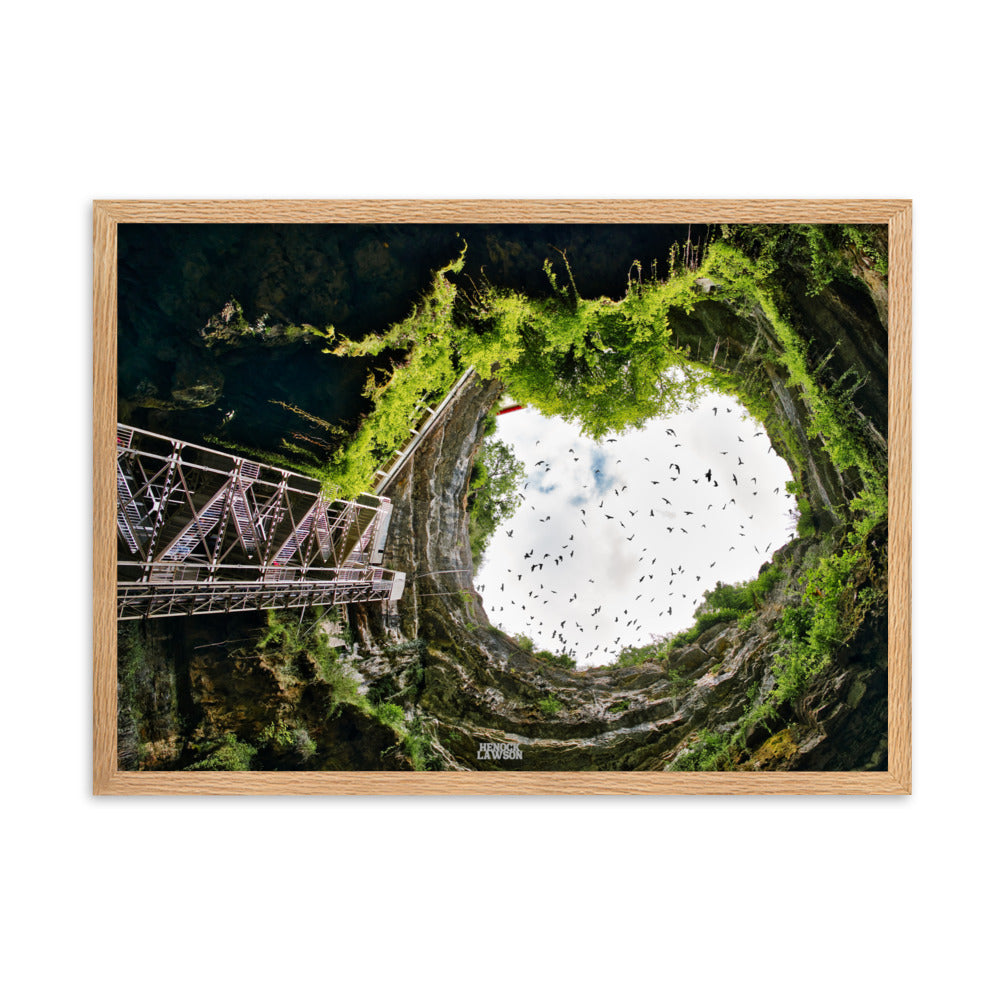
(607,365)
(725,602)
(634,656)
(229,325)
(424,377)
(550,705)
(277,744)
(493,496)
(286,640)
(702,624)
(229,754)
(292,645)
(708,750)
(739,597)
(281,739)
(604,364)
(844,589)
(563,660)
(389,714)
(823,250)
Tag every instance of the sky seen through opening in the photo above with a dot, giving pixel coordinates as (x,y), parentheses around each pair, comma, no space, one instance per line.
(616,541)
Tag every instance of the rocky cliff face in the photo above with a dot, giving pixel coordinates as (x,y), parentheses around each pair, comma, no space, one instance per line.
(478,686)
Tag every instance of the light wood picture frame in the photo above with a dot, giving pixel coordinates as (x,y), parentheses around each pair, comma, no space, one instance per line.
(108,779)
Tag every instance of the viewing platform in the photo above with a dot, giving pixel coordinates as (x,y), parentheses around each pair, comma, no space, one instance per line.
(203,531)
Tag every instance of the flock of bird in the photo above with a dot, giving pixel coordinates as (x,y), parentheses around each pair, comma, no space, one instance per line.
(657,525)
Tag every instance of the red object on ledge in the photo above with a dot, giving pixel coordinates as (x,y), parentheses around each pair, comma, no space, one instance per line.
(509,409)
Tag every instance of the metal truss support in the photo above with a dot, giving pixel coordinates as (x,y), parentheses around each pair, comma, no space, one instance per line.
(202,531)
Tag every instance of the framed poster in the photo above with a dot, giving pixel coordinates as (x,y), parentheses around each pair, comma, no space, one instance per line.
(502,497)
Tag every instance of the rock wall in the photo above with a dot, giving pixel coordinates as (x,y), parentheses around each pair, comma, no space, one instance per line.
(478,686)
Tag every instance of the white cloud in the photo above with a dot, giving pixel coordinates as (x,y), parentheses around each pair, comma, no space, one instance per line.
(628,569)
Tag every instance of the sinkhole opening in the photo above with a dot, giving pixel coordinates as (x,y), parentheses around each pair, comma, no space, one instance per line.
(614,543)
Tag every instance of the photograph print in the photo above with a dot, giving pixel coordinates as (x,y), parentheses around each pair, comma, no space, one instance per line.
(502,497)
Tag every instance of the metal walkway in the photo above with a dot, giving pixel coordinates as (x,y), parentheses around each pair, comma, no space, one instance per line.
(203,531)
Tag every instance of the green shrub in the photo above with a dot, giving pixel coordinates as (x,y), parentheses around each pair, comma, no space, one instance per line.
(389,714)
(563,660)
(229,755)
(494,494)
(795,622)
(550,705)
(277,735)
(708,752)
(286,640)
(633,656)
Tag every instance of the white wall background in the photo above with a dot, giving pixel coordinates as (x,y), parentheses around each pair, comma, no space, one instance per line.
(497,898)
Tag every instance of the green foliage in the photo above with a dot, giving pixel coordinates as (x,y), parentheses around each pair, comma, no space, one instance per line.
(389,714)
(609,364)
(230,325)
(825,250)
(832,609)
(422,379)
(287,641)
(742,596)
(708,752)
(292,456)
(420,747)
(795,622)
(563,660)
(605,365)
(729,602)
(493,497)
(415,740)
(872,242)
(834,604)
(550,705)
(282,740)
(634,656)
(277,736)
(229,754)
(835,421)
(806,526)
